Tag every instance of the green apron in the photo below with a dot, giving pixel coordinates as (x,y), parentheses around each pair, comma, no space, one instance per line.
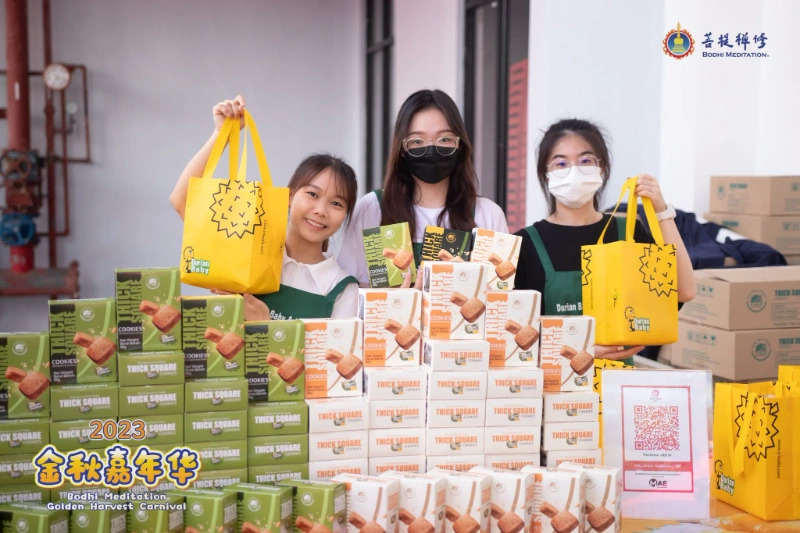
(290,303)
(563,291)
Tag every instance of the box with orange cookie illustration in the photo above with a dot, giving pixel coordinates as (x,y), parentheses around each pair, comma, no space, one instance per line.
(148,309)
(397,415)
(319,506)
(334,358)
(603,506)
(372,503)
(213,336)
(567,353)
(571,406)
(409,464)
(338,446)
(274,360)
(456,413)
(559,500)
(454,301)
(468,502)
(325,470)
(83,340)
(336,415)
(389,255)
(457,385)
(515,384)
(450,441)
(513,440)
(25,378)
(512,328)
(512,462)
(395,383)
(423,498)
(501,252)
(512,499)
(554,458)
(456,356)
(514,412)
(570,436)
(391,326)
(461,463)
(393,442)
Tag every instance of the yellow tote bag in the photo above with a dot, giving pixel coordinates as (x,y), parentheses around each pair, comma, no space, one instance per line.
(631,288)
(234,230)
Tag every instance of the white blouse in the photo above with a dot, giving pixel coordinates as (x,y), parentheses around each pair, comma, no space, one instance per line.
(321,278)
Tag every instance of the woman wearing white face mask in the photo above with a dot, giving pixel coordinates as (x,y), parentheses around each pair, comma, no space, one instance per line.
(573,168)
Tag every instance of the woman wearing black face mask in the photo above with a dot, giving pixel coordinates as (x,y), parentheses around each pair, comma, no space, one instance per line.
(430,181)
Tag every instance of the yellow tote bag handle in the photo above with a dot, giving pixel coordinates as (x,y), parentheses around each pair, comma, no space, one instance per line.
(630,188)
(266,177)
(227,132)
(744,434)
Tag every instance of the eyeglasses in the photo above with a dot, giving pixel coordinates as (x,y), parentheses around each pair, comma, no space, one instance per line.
(586,164)
(416,147)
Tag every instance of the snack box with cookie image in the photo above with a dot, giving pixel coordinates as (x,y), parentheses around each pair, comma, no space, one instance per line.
(75,434)
(98,521)
(205,427)
(151,400)
(423,498)
(319,506)
(554,458)
(148,309)
(277,450)
(219,479)
(334,358)
(457,385)
(82,402)
(151,368)
(222,455)
(83,341)
(395,383)
(25,379)
(570,436)
(164,520)
(456,356)
(394,415)
(208,510)
(515,383)
(513,412)
(336,415)
(451,441)
(32,518)
(571,406)
(213,336)
(409,464)
(24,435)
(270,475)
(462,463)
(468,503)
(214,395)
(456,413)
(161,430)
(512,328)
(559,508)
(603,507)
(567,353)
(440,244)
(501,252)
(26,494)
(513,461)
(389,255)
(262,509)
(338,446)
(325,470)
(17,470)
(394,442)
(391,326)
(274,360)
(454,301)
(510,440)
(512,500)
(265,419)
(372,503)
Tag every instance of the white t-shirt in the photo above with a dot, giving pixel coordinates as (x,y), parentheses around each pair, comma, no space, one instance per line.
(367,214)
(321,278)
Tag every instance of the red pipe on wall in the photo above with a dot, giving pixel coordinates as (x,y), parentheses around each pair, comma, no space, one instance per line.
(18,111)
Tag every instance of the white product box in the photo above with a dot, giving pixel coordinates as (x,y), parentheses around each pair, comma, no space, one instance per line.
(500,252)
(469,497)
(370,500)
(570,436)
(393,415)
(457,385)
(338,446)
(513,412)
(454,300)
(559,508)
(571,406)
(422,501)
(456,356)
(511,440)
(324,470)
(567,353)
(512,328)
(461,463)
(334,358)
(512,462)
(512,499)
(405,464)
(395,383)
(515,383)
(603,497)
(396,442)
(338,415)
(391,326)
(456,413)
(555,458)
(452,441)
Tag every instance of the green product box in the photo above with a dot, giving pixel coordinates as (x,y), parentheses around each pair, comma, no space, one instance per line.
(277,418)
(24,494)
(219,479)
(82,341)
(163,448)
(168,519)
(148,309)
(213,342)
(162,430)
(223,455)
(204,427)
(70,435)
(26,356)
(277,450)
(151,368)
(150,400)
(94,401)
(263,509)
(69,493)
(32,518)
(106,521)
(209,511)
(213,395)
(389,255)
(275,364)
(276,473)
(454,242)
(17,470)
(320,502)
(139,487)
(24,436)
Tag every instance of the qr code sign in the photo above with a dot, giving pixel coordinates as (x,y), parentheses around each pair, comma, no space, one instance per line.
(656,427)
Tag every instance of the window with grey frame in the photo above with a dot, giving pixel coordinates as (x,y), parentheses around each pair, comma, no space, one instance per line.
(380,41)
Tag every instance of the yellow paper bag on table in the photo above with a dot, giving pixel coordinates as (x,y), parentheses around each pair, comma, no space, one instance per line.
(234,230)
(789,374)
(756,441)
(631,288)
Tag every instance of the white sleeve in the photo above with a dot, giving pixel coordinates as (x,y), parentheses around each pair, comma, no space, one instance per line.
(351,256)
(346,304)
(488,215)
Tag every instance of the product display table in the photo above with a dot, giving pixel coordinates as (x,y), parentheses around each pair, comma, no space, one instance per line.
(725,518)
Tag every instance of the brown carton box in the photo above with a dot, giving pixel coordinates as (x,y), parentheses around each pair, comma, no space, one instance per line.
(755,195)
(782,233)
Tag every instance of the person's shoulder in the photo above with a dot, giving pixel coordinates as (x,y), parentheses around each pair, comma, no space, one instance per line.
(485,205)
(489,215)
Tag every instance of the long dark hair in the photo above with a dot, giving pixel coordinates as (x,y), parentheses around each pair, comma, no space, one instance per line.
(399,185)
(590,133)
